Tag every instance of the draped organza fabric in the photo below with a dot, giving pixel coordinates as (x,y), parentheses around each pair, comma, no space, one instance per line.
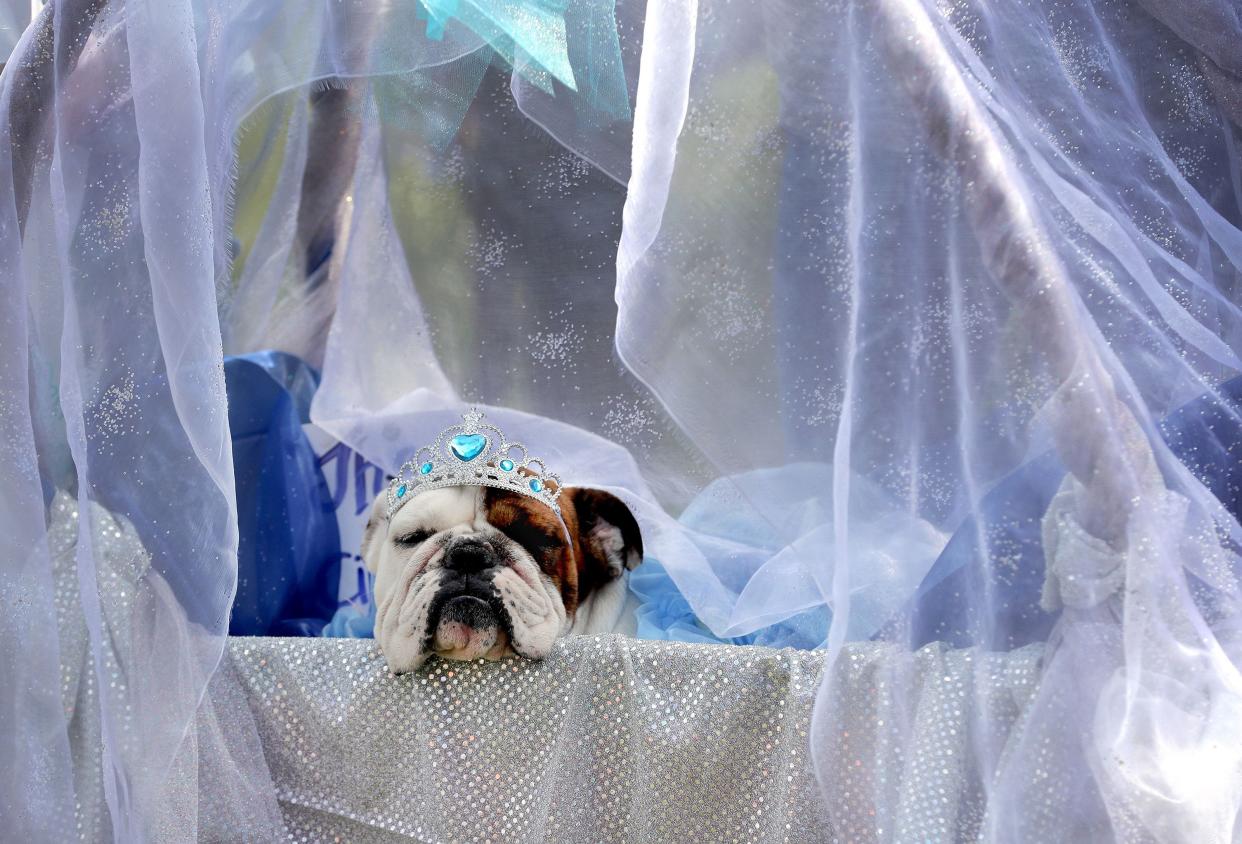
(854,270)
(984,233)
(14,17)
(120,173)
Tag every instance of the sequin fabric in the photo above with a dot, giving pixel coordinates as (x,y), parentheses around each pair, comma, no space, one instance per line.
(615,739)
(911,735)
(609,739)
(215,788)
(120,574)
(78,686)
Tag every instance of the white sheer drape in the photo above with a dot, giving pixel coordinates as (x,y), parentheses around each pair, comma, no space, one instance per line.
(924,245)
(118,141)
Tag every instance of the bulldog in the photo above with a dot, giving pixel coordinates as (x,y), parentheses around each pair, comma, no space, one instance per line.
(467,572)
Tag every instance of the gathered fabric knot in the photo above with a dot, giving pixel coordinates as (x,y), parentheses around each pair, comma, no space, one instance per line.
(1081,570)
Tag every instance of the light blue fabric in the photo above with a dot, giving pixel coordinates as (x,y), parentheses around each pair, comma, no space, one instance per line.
(544,42)
(352,621)
(532,29)
(664,613)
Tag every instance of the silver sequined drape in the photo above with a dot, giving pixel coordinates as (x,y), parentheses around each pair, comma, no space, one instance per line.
(616,740)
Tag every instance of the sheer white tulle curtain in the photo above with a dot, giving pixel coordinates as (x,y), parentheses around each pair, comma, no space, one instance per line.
(946,251)
(120,178)
(870,310)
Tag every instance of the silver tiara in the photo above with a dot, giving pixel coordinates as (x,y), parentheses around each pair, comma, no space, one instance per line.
(474,453)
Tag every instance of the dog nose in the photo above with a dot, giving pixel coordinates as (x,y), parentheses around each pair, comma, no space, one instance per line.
(468,556)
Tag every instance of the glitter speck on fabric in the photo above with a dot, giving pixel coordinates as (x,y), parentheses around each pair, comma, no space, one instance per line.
(613,739)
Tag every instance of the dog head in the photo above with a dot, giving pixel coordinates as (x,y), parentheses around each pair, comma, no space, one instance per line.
(468,572)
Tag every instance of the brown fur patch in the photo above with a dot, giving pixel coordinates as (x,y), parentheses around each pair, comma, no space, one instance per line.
(607,534)
(577,566)
(535,527)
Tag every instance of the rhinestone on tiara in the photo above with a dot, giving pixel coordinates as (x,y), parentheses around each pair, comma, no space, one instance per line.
(474,453)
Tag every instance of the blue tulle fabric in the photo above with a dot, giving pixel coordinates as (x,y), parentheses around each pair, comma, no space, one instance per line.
(892,249)
(1205,434)
(664,613)
(352,621)
(288,556)
(531,37)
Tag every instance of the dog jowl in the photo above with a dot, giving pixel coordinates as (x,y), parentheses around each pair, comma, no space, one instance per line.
(468,572)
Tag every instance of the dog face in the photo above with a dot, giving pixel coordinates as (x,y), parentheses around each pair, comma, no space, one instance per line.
(468,572)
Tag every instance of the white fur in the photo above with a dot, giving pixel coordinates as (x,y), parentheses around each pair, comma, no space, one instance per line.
(606,610)
(406,579)
(538,615)
(401,619)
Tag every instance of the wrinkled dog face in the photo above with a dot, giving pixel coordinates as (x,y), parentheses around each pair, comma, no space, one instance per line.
(469,572)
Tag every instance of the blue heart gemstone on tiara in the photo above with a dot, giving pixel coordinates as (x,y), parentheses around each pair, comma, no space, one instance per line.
(468,446)
(497,467)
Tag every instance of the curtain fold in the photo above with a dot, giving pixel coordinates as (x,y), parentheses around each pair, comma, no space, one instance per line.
(928,248)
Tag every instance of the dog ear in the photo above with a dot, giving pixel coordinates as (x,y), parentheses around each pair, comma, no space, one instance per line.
(375,531)
(607,533)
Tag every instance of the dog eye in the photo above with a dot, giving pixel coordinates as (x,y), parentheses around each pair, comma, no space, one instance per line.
(529,537)
(416,537)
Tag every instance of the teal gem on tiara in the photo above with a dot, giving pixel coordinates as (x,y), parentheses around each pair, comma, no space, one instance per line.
(466,447)
(484,457)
